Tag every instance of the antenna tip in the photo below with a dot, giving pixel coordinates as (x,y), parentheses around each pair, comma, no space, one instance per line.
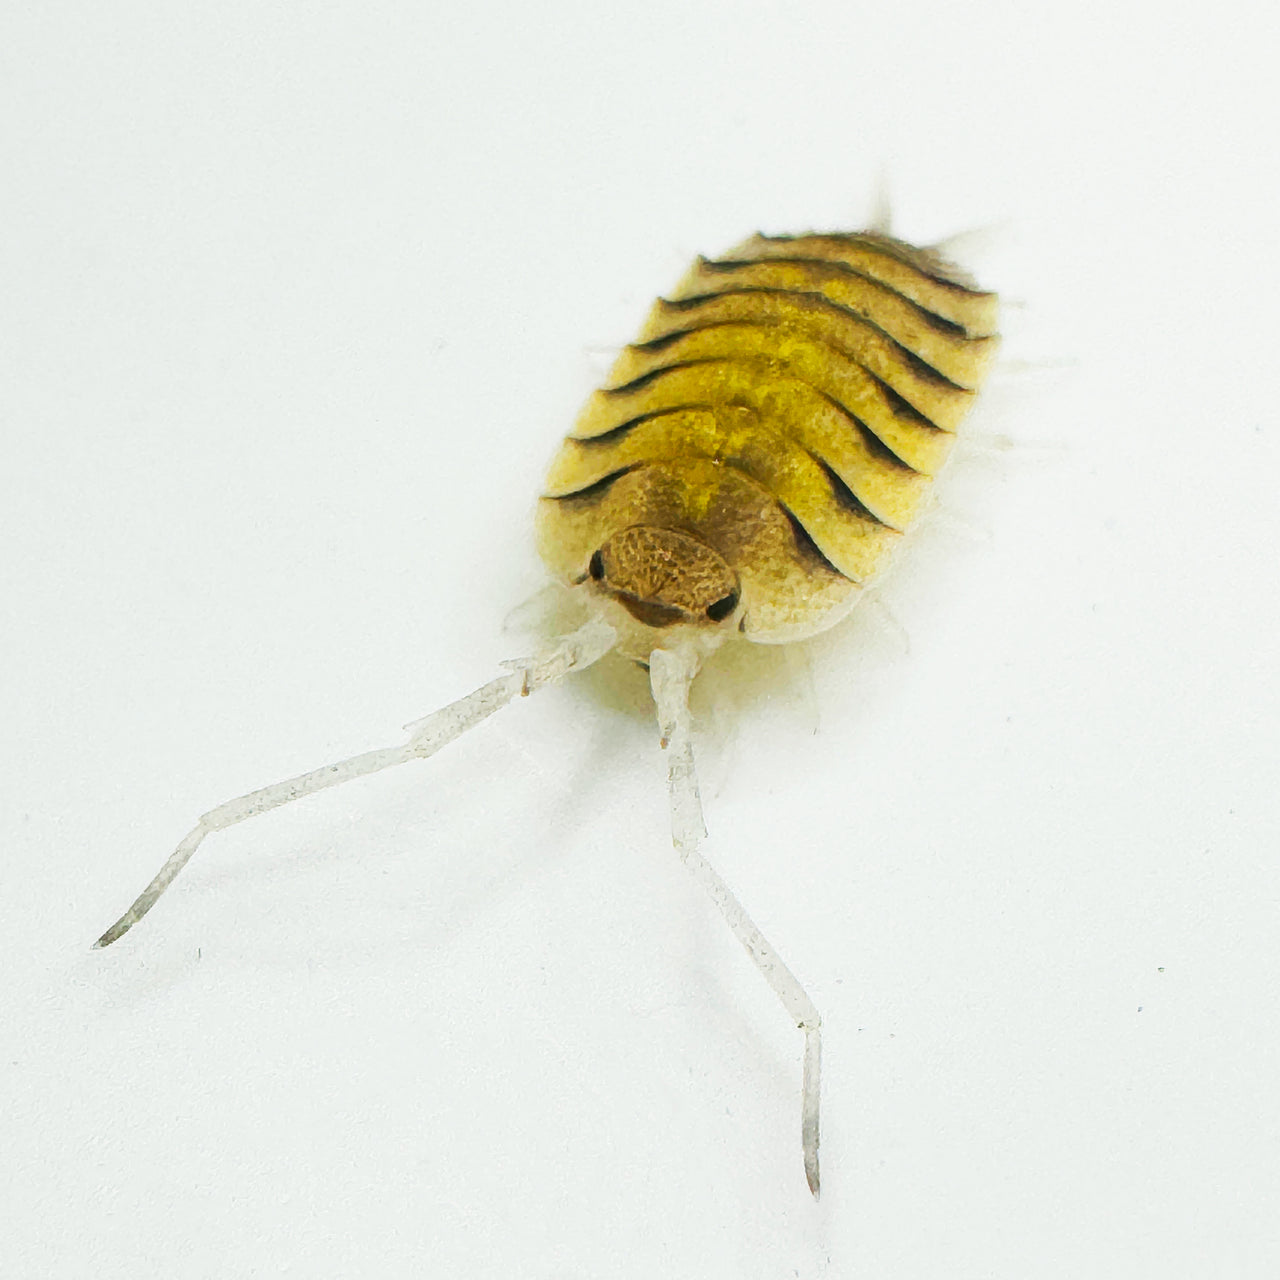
(117,930)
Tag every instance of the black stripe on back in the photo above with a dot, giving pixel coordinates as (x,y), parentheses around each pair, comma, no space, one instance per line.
(875,445)
(931,318)
(919,366)
(806,545)
(614,434)
(638,383)
(596,489)
(847,500)
(886,247)
(895,402)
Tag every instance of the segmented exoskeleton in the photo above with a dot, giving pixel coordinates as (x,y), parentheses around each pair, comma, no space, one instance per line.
(752,463)
(786,408)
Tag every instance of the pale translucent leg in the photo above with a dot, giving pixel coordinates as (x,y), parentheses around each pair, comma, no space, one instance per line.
(670,674)
(426,737)
(881,215)
(975,242)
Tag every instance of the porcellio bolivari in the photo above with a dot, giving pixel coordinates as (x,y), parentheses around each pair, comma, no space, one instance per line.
(751,464)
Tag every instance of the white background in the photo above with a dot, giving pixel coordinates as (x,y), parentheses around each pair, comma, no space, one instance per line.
(297,301)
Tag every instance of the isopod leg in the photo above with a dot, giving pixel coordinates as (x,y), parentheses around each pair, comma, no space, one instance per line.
(670,674)
(426,737)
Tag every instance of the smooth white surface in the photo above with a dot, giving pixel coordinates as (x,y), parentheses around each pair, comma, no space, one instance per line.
(296,304)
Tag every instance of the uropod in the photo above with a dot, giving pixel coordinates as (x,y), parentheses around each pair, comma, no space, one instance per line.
(751,464)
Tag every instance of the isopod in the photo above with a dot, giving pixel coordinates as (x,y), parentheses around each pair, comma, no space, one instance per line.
(751,464)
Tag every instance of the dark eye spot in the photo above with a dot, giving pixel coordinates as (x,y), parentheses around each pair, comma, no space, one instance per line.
(723,607)
(596,567)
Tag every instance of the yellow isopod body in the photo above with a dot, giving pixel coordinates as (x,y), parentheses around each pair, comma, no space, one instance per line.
(757,454)
(753,461)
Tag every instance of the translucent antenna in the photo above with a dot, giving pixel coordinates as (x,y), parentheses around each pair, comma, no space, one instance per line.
(671,672)
(426,736)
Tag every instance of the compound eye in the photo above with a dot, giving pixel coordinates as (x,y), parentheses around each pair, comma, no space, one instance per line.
(722,608)
(596,567)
